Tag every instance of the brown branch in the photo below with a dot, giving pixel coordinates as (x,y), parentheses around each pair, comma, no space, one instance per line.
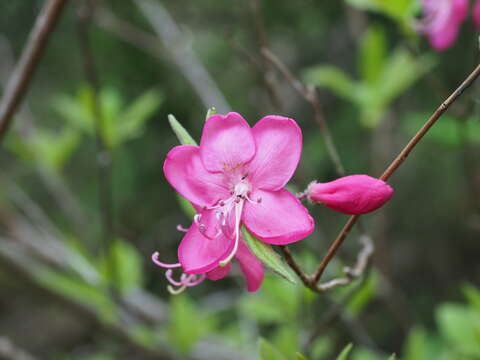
(262,40)
(21,77)
(395,165)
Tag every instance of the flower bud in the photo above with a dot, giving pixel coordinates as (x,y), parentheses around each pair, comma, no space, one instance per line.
(354,194)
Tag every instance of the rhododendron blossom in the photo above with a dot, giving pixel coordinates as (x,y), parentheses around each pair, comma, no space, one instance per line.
(442,21)
(236,177)
(354,194)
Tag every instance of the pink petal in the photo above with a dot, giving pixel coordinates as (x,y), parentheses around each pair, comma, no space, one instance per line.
(199,254)
(226,143)
(251,267)
(184,170)
(219,272)
(445,37)
(279,218)
(355,194)
(279,144)
(476,14)
(459,10)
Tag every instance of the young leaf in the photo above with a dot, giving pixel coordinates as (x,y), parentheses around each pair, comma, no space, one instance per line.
(372,54)
(268,256)
(182,134)
(300,356)
(392,357)
(187,325)
(127,264)
(415,347)
(460,326)
(268,351)
(333,79)
(211,111)
(345,352)
(132,121)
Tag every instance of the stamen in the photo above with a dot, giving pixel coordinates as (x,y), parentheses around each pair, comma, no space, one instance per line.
(196,218)
(171,280)
(238,215)
(181,228)
(162,264)
(194,280)
(178,291)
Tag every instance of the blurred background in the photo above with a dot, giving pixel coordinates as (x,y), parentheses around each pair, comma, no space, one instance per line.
(83,208)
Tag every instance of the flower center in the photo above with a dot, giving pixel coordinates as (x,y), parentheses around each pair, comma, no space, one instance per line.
(228,213)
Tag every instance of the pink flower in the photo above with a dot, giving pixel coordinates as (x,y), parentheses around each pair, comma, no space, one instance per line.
(354,194)
(476,14)
(442,21)
(250,266)
(236,177)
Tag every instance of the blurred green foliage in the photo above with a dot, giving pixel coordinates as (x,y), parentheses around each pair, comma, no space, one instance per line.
(375,79)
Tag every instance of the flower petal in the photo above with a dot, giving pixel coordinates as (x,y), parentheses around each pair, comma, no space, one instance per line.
(219,272)
(226,143)
(251,267)
(278,218)
(278,141)
(184,170)
(199,254)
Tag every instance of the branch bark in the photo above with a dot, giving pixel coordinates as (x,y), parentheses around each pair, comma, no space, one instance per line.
(25,69)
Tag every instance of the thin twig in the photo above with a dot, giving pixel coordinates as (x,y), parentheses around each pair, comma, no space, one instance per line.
(262,40)
(104,156)
(395,165)
(311,96)
(21,77)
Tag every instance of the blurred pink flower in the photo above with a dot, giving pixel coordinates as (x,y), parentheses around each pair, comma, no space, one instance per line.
(476,14)
(236,177)
(354,194)
(442,21)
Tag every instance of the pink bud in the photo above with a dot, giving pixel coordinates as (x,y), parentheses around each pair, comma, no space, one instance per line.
(354,194)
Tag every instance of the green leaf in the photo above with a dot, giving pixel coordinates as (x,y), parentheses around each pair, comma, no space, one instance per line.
(72,111)
(278,302)
(415,347)
(472,294)
(372,54)
(187,207)
(286,340)
(79,291)
(460,326)
(268,351)
(269,257)
(187,325)
(399,10)
(392,357)
(345,352)
(126,263)
(211,111)
(400,72)
(182,134)
(300,356)
(333,79)
(132,121)
(364,295)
